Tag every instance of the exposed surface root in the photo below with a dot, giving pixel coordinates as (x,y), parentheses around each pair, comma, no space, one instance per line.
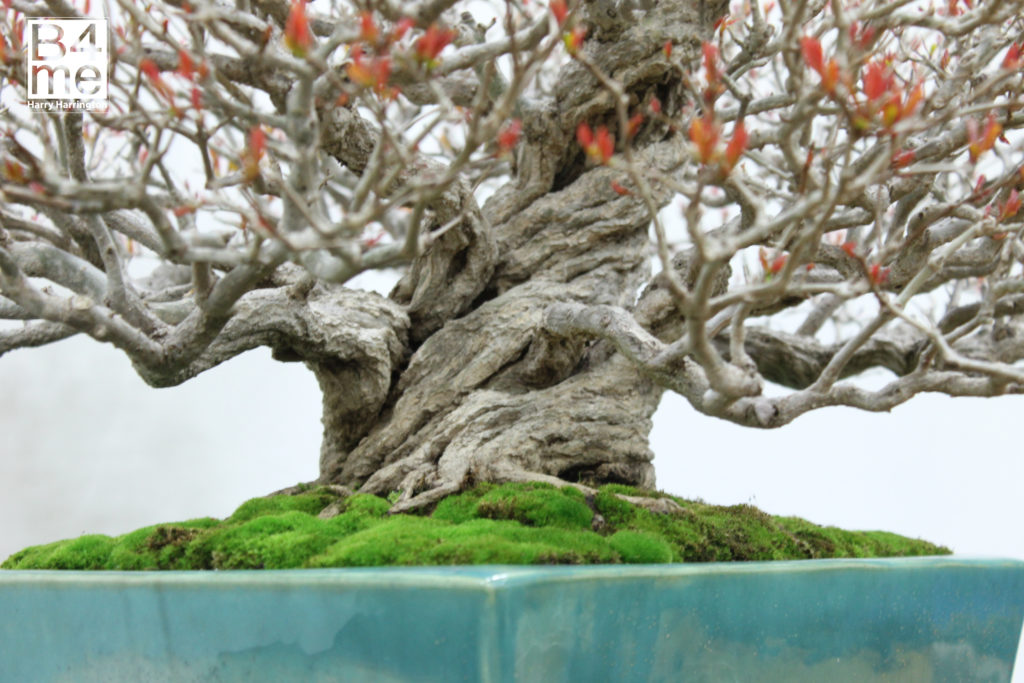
(661,506)
(341,491)
(424,499)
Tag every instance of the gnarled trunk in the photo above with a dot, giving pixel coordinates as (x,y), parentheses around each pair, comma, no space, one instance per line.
(487,393)
(491,395)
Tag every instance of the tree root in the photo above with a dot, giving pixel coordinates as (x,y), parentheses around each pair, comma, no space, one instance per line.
(414,503)
(337,489)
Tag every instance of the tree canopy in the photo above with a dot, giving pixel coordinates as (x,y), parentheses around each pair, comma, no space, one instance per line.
(588,203)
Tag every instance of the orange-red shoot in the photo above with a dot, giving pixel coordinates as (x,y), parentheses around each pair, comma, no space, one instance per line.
(903,157)
(862,36)
(981,141)
(372,73)
(737,145)
(297,35)
(253,153)
(560,11)
(710,61)
(876,80)
(704,134)
(368,31)
(149,68)
(431,43)
(186,67)
(634,124)
(508,138)
(814,57)
(401,28)
(1011,207)
(773,267)
(619,189)
(1012,60)
(598,145)
(573,40)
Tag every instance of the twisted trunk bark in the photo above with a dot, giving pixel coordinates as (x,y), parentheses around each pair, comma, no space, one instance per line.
(487,393)
(491,395)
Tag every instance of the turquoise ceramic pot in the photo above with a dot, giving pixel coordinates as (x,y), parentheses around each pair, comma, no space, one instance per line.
(929,619)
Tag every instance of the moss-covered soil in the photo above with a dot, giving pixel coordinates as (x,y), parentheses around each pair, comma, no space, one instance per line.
(507,524)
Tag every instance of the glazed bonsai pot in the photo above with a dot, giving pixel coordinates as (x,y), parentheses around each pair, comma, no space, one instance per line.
(922,619)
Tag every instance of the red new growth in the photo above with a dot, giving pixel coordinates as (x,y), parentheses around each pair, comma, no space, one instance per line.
(600,146)
(619,189)
(402,27)
(667,49)
(257,142)
(634,124)
(605,145)
(979,142)
(186,67)
(297,36)
(710,61)
(431,43)
(152,72)
(903,157)
(584,135)
(368,32)
(704,134)
(980,192)
(374,74)
(876,81)
(560,10)
(1012,60)
(1011,207)
(878,274)
(509,136)
(779,263)
(850,248)
(573,41)
(737,145)
(813,56)
(251,156)
(149,67)
(862,36)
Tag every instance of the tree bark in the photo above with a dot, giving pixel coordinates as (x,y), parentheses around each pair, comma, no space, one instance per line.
(487,393)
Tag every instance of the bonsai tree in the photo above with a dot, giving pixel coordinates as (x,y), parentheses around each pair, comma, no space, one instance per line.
(590,203)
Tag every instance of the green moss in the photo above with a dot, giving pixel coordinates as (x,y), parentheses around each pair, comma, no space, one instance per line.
(539,505)
(311,503)
(461,507)
(638,547)
(365,504)
(489,524)
(84,552)
(615,511)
